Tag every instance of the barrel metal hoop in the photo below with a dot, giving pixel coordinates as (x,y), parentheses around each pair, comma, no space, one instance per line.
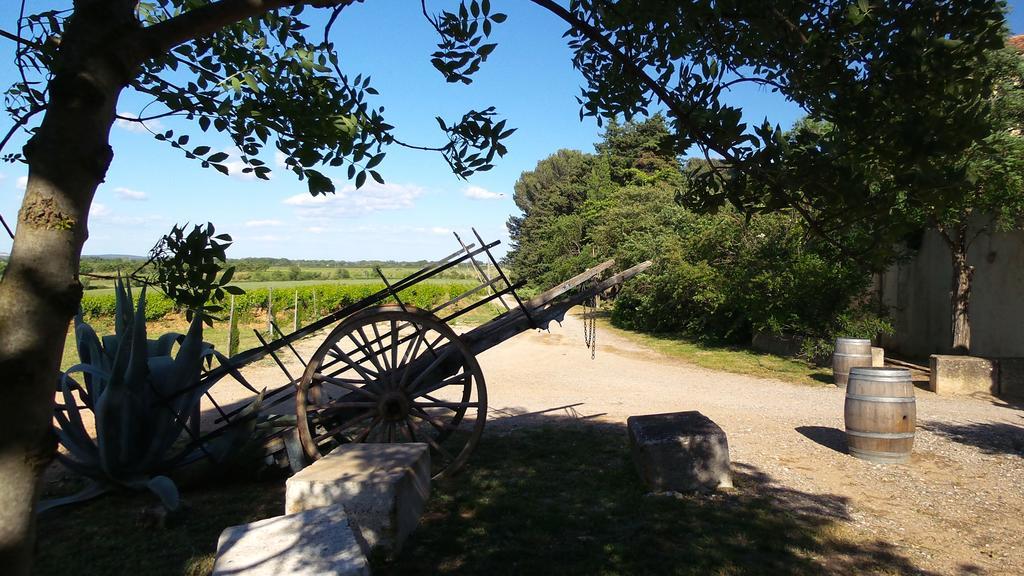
(881,435)
(885,457)
(844,355)
(884,399)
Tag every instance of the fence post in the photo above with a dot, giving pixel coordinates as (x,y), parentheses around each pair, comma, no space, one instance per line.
(232,330)
(270,313)
(295,314)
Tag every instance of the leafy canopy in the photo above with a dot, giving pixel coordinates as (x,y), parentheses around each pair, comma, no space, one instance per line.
(273,82)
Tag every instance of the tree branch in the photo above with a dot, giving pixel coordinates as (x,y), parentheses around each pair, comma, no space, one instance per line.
(21,122)
(205,20)
(678,110)
(20,40)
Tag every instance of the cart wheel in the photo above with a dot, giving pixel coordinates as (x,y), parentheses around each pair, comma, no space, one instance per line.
(388,374)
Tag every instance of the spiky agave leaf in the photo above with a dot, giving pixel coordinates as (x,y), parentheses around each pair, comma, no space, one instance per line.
(90,352)
(91,490)
(71,429)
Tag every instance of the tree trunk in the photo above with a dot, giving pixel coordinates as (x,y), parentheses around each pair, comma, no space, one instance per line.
(963,274)
(40,292)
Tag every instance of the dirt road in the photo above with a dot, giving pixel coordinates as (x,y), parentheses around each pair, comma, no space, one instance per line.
(957,507)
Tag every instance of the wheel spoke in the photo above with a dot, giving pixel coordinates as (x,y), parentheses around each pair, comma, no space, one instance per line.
(366,349)
(345,383)
(450,405)
(437,362)
(341,428)
(422,415)
(394,345)
(458,379)
(338,406)
(383,349)
(363,371)
(408,360)
(362,437)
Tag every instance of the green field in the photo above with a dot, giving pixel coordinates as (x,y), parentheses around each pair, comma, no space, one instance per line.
(105,288)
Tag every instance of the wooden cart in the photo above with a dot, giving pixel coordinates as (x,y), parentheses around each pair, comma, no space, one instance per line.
(397,373)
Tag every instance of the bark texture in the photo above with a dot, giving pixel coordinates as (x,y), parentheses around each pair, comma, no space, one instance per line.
(67,158)
(960,293)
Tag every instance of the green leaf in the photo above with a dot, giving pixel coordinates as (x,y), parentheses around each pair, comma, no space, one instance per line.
(218,157)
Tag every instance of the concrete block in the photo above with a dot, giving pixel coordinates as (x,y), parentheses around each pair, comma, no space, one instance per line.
(382,487)
(680,451)
(778,344)
(1011,377)
(951,375)
(877,357)
(311,543)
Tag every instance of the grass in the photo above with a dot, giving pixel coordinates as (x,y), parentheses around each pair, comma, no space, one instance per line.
(561,498)
(117,534)
(735,359)
(566,499)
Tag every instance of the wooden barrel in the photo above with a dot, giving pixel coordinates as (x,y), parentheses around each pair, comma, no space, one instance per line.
(881,414)
(850,352)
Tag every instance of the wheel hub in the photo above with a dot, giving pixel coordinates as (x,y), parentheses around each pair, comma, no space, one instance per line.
(393,406)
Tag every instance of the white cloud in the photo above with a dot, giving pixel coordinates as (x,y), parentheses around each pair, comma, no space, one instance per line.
(439,230)
(348,201)
(262,223)
(316,229)
(129,194)
(99,210)
(478,193)
(136,126)
(21,182)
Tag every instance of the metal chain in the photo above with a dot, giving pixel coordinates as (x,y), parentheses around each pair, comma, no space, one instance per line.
(590,324)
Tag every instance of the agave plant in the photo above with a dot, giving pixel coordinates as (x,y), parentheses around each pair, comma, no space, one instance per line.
(141,398)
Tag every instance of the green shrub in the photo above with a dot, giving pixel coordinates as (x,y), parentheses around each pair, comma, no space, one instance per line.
(725,278)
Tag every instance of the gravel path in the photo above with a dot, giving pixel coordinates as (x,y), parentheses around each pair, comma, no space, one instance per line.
(957,507)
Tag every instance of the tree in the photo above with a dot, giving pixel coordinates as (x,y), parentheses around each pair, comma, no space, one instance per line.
(980,189)
(549,228)
(249,69)
(993,198)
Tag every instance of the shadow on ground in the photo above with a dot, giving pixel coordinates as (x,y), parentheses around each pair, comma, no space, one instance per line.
(563,497)
(544,493)
(824,378)
(120,533)
(828,437)
(990,437)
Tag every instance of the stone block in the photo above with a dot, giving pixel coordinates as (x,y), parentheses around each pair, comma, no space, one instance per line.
(679,451)
(877,357)
(1011,377)
(382,488)
(778,344)
(313,542)
(951,375)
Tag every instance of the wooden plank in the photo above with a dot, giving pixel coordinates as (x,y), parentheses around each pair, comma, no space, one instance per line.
(549,295)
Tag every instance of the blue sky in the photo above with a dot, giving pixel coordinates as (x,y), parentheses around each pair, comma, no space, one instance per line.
(529,78)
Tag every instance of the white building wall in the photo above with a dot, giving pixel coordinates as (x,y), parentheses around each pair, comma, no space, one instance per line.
(917,294)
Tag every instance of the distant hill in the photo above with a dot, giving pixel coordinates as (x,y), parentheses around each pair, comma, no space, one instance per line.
(114,256)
